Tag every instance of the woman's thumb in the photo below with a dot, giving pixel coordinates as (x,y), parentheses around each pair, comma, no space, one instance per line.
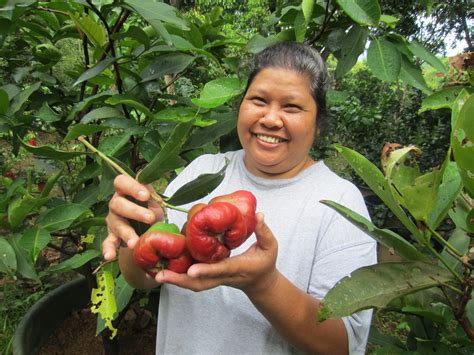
(265,237)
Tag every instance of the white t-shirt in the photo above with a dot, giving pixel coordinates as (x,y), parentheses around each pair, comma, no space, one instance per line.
(316,248)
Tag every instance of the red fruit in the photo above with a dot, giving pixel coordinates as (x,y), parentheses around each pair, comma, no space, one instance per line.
(10,174)
(214,230)
(246,202)
(41,186)
(162,247)
(32,142)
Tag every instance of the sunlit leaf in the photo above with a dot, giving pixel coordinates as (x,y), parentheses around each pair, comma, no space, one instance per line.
(7,257)
(103,298)
(384,60)
(60,217)
(422,53)
(218,91)
(34,241)
(94,31)
(441,99)
(76,261)
(364,12)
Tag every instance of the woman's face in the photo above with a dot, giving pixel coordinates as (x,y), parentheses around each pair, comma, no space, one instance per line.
(277,123)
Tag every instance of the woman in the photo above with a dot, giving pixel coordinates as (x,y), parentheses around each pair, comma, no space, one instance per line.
(266,296)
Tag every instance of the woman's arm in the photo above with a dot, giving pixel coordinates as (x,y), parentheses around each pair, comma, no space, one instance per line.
(290,310)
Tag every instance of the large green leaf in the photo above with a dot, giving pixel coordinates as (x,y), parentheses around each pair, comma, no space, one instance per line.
(21,207)
(47,114)
(22,97)
(377,285)
(171,63)
(422,53)
(307,7)
(364,12)
(48,151)
(34,241)
(412,75)
(153,11)
(258,43)
(202,136)
(7,257)
(449,189)
(384,236)
(95,70)
(384,60)
(352,47)
(23,261)
(457,106)
(441,99)
(100,113)
(462,142)
(374,178)
(217,92)
(81,129)
(129,101)
(168,158)
(459,213)
(200,187)
(94,31)
(88,101)
(76,261)
(417,192)
(61,217)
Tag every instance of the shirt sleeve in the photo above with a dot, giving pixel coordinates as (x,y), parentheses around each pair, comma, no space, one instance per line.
(343,249)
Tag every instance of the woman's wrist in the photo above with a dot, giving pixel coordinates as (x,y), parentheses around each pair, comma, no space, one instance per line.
(264,287)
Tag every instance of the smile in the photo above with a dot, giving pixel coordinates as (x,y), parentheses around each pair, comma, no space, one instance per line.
(269,139)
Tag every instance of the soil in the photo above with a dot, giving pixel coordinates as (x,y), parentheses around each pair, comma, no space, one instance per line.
(76,336)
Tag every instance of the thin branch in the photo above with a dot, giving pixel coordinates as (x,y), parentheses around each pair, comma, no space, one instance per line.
(55,247)
(327,18)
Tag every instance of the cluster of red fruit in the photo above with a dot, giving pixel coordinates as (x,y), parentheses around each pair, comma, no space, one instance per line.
(208,236)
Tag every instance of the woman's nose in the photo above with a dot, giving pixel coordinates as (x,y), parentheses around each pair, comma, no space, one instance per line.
(272,118)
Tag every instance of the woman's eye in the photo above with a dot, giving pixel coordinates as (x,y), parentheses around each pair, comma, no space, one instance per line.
(292,108)
(258,101)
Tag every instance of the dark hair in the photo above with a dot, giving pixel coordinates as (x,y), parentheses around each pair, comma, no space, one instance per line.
(300,58)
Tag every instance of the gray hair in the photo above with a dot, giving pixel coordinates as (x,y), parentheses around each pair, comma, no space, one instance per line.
(300,58)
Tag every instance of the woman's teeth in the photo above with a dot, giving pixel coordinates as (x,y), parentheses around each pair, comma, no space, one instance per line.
(269,139)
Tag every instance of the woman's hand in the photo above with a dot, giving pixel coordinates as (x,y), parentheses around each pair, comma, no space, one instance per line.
(121,208)
(251,271)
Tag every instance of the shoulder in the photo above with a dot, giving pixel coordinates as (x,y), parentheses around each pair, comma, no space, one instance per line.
(210,163)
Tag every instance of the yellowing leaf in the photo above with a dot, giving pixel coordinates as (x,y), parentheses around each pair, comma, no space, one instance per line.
(103,299)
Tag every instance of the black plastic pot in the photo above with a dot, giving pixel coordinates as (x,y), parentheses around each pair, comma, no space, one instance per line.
(47,314)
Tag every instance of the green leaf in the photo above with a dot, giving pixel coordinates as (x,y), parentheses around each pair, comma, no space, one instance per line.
(200,187)
(100,113)
(22,97)
(4,102)
(307,7)
(103,298)
(7,257)
(389,20)
(171,63)
(95,70)
(440,99)
(168,159)
(377,285)
(24,263)
(459,213)
(34,241)
(459,239)
(111,145)
(386,237)
(217,92)
(51,182)
(202,136)
(46,114)
(378,338)
(374,178)
(415,191)
(462,142)
(94,31)
(154,12)
(384,60)
(129,101)
(352,47)
(76,261)
(48,151)
(123,294)
(364,12)
(21,207)
(61,217)
(457,105)
(82,105)
(83,130)
(258,43)
(421,52)
(412,75)
(149,145)
(449,189)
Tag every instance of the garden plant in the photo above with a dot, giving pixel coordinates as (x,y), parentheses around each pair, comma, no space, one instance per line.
(95,88)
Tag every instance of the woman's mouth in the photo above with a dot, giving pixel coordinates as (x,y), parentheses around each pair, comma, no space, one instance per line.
(269,139)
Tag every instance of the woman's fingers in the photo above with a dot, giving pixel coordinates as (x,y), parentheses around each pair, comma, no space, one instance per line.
(125,208)
(110,246)
(120,228)
(126,185)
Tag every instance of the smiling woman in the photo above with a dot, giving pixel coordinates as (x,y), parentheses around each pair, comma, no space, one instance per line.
(265,297)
